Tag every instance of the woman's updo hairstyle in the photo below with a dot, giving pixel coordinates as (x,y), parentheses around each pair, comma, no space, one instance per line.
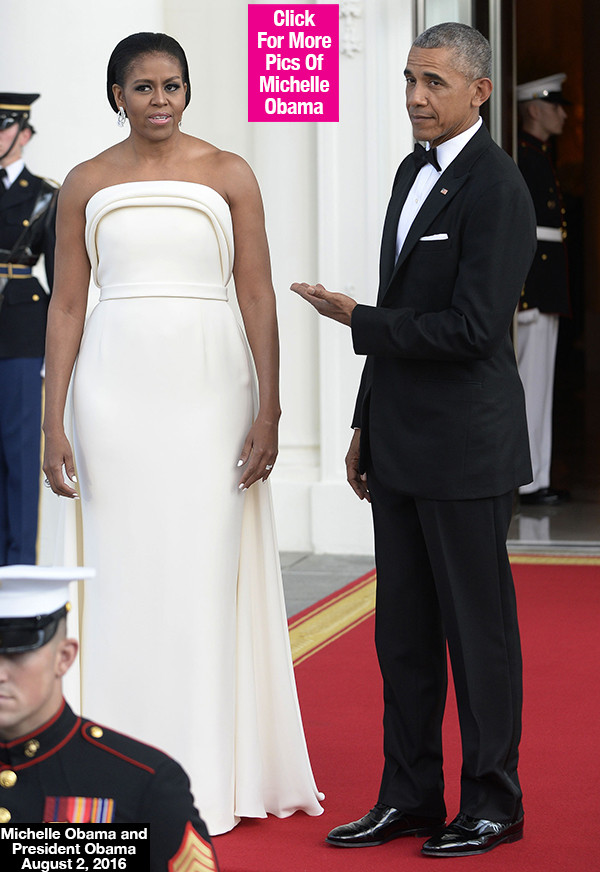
(133,47)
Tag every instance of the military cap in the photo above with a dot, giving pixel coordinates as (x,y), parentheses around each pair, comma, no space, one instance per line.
(15,108)
(548,89)
(33,599)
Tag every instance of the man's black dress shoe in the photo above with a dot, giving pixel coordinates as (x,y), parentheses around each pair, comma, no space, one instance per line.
(382,824)
(545,496)
(467,835)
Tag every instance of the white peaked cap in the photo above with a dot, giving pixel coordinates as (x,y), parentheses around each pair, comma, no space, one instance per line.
(26,591)
(541,89)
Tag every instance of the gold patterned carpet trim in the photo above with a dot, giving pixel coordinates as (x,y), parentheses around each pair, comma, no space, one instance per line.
(556,559)
(332,618)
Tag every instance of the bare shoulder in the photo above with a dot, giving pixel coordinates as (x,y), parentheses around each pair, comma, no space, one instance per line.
(226,172)
(85,179)
(235,167)
(236,177)
(76,189)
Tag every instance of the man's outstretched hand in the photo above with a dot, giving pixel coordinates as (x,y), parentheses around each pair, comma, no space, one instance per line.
(338,307)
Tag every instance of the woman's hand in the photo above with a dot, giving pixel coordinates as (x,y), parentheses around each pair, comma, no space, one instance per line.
(259,452)
(58,454)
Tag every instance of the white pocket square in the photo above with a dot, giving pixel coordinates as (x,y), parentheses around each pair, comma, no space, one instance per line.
(435,238)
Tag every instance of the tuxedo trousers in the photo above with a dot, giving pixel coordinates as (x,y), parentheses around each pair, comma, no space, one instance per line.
(444,583)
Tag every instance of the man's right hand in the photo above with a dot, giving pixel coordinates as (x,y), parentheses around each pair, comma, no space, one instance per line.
(357,482)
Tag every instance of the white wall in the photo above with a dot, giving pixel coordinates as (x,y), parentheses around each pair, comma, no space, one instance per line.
(60,49)
(325,188)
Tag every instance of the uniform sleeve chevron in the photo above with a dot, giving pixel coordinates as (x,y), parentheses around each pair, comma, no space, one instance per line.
(194,854)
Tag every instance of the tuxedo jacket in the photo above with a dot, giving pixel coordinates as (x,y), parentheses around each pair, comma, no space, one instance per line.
(27,221)
(440,405)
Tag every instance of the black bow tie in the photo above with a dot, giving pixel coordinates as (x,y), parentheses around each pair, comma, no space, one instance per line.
(421,157)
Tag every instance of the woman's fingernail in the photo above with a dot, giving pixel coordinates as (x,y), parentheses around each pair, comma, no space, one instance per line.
(240,463)
(74,478)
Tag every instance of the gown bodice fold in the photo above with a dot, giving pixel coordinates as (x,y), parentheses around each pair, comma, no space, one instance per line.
(187,252)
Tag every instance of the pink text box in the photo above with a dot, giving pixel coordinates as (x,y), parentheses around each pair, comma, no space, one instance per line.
(293,62)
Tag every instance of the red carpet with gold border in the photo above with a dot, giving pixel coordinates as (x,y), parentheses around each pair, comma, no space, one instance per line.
(340,694)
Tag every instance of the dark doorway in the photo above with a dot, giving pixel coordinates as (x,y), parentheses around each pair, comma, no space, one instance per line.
(554,37)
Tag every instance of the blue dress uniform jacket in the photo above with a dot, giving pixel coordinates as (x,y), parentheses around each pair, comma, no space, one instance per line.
(547,284)
(27,217)
(72,757)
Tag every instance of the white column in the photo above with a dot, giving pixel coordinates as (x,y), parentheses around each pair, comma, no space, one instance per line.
(357,160)
(284,159)
(61,51)
(213,34)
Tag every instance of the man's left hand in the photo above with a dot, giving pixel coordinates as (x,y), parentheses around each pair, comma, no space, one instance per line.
(339,307)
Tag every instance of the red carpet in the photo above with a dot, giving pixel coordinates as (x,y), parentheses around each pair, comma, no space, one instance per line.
(340,694)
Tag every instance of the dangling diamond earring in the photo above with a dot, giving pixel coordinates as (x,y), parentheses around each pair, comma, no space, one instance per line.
(121,117)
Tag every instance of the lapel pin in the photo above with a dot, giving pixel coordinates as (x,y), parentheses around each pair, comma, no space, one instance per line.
(444,191)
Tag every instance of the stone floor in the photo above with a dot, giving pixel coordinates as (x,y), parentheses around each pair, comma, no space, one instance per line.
(572,528)
(308,578)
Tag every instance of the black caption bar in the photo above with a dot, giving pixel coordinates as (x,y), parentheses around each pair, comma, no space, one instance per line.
(83,847)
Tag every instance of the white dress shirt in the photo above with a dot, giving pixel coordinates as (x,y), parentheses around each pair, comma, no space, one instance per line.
(426,179)
(13,171)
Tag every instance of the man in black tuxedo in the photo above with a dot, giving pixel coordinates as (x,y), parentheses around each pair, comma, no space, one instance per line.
(440,444)
(27,209)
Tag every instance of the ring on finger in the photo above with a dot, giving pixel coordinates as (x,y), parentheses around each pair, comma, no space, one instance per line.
(46,483)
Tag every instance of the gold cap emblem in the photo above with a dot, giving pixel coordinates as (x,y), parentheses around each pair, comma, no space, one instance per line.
(8,778)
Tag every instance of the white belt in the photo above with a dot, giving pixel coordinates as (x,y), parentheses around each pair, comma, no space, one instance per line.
(192,291)
(549,234)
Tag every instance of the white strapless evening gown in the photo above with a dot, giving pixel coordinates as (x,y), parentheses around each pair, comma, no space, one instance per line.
(184,640)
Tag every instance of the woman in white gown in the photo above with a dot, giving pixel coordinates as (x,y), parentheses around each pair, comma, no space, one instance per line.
(184,638)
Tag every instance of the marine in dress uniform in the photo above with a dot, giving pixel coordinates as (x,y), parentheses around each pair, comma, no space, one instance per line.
(66,768)
(545,295)
(27,211)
